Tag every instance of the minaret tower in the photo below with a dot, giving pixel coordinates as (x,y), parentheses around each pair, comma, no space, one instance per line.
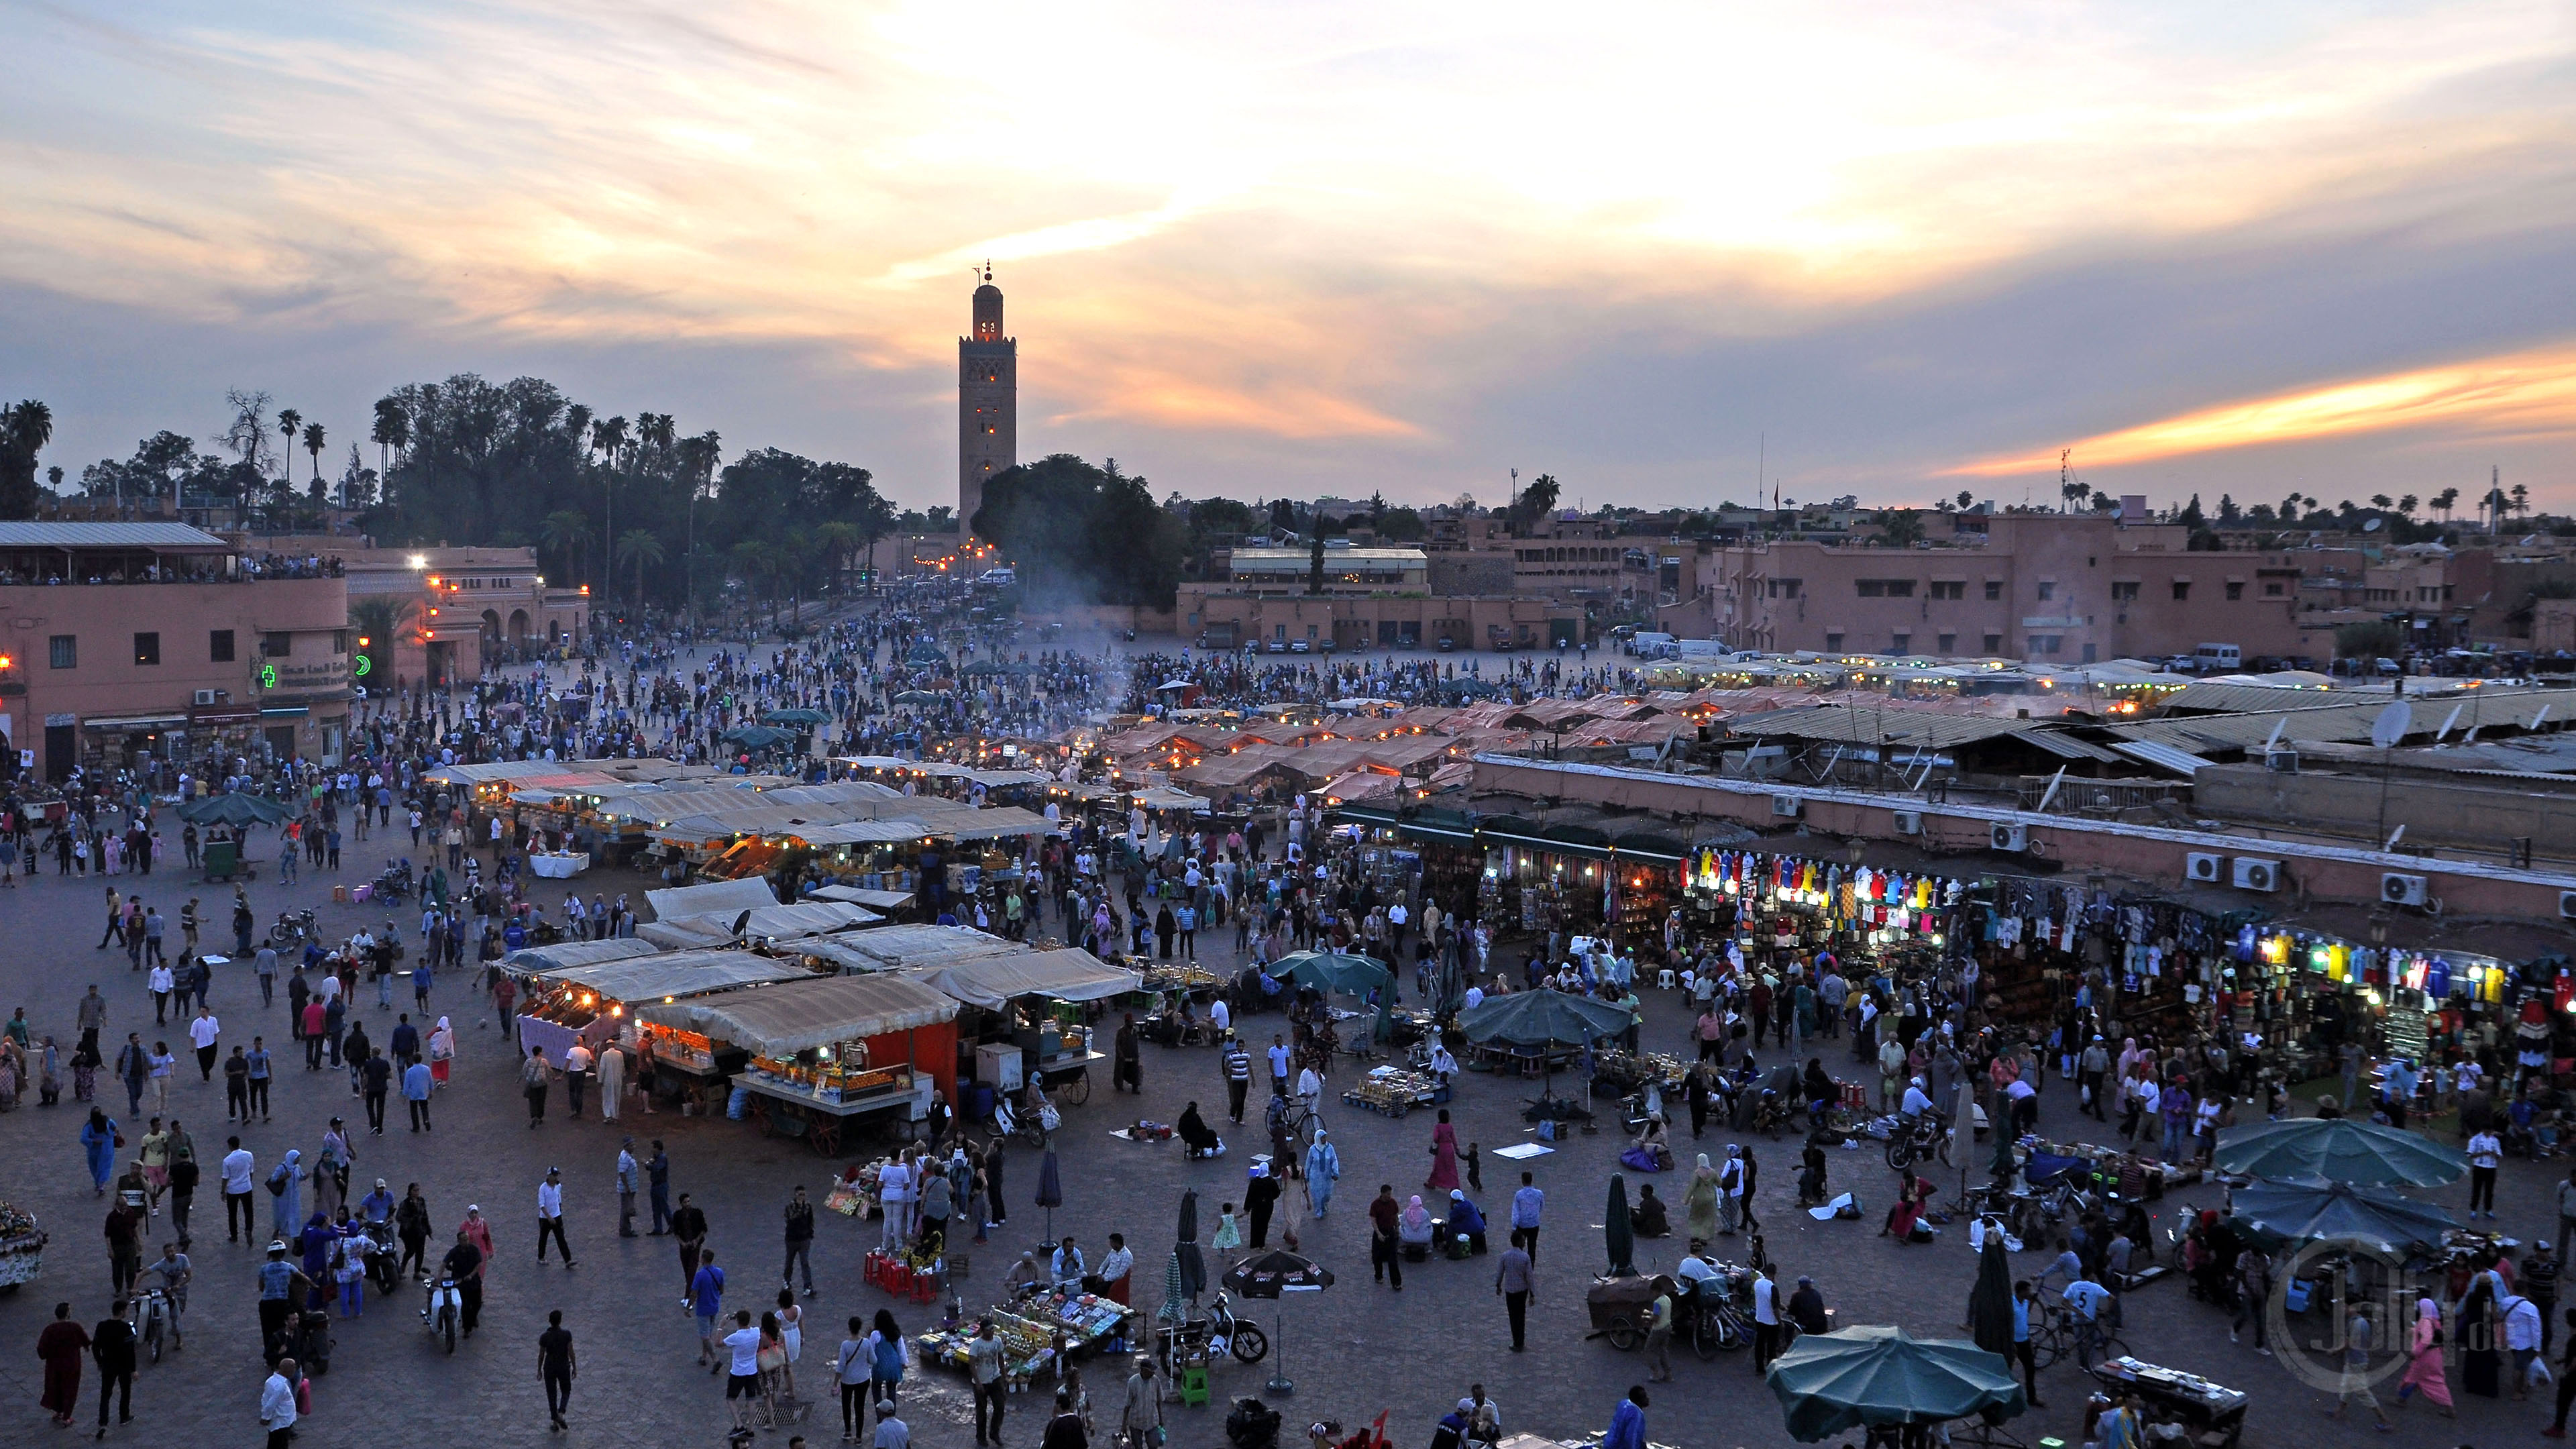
(988,381)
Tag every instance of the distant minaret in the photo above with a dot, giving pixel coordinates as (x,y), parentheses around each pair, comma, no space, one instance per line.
(988,412)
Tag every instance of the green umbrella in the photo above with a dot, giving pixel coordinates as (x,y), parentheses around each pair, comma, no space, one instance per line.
(1333,971)
(1543,1018)
(797,716)
(758,737)
(2338,1148)
(917,696)
(1828,1383)
(232,809)
(2314,1210)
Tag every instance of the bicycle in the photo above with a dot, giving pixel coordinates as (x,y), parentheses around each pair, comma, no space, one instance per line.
(2064,1331)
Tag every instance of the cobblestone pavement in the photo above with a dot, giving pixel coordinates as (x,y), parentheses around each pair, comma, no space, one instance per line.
(1354,1351)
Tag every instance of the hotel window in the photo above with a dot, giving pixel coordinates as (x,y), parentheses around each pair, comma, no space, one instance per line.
(1949,643)
(1994,588)
(219,646)
(2124,593)
(1833,641)
(2182,590)
(2235,591)
(276,646)
(62,651)
(147,649)
(2047,592)
(1901,643)
(339,641)
(2271,591)
(1994,644)
(2043,644)
(1886,588)
(1949,588)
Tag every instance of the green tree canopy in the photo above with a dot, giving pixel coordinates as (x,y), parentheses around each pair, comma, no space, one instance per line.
(1090,532)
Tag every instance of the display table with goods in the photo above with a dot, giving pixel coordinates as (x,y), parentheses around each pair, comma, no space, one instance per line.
(22,1248)
(822,1051)
(814,1099)
(592,998)
(1163,976)
(558,864)
(2213,1415)
(1621,1071)
(1038,1333)
(1394,1091)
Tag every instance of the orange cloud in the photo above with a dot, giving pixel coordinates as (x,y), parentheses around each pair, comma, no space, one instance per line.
(2526,393)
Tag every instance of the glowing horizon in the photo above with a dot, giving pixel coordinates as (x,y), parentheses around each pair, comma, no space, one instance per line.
(1328,246)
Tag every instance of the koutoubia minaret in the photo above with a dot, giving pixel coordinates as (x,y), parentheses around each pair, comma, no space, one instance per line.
(988,412)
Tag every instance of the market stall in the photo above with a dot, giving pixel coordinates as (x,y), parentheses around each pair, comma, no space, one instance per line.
(1038,1333)
(823,1051)
(1026,1020)
(22,1248)
(591,1003)
(757,923)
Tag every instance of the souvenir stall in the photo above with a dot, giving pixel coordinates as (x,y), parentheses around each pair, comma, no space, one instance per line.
(819,1053)
(1039,1334)
(593,1004)
(1885,927)
(1025,1019)
(22,1248)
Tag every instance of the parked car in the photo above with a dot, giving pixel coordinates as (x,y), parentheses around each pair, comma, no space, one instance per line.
(1278,646)
(1447,644)
(1297,646)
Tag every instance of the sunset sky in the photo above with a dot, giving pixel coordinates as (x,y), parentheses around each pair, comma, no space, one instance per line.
(1897,249)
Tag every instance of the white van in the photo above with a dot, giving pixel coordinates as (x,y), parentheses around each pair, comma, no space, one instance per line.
(2218,658)
(1648,645)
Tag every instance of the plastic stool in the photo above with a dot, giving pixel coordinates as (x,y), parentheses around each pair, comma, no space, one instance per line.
(1194,1385)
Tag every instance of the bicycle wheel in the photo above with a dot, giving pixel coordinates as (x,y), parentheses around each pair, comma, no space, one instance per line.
(1703,1336)
(2046,1349)
(2113,1346)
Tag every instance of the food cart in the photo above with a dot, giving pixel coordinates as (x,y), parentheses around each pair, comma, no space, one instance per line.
(2210,1413)
(1026,1019)
(823,1051)
(22,1248)
(593,1003)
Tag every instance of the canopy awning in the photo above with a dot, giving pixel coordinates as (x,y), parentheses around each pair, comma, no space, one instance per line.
(780,1021)
(676,974)
(564,955)
(916,945)
(1068,975)
(861,896)
(992,824)
(810,918)
(864,832)
(723,895)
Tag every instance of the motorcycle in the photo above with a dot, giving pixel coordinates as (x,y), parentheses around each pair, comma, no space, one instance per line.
(293,928)
(148,1313)
(444,1311)
(1918,1141)
(384,1258)
(1217,1335)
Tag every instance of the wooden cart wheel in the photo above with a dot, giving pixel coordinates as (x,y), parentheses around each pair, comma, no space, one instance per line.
(766,1120)
(824,1130)
(1076,1089)
(1624,1336)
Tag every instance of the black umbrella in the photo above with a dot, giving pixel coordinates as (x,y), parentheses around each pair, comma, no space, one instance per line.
(1193,1266)
(1276,1274)
(1050,1190)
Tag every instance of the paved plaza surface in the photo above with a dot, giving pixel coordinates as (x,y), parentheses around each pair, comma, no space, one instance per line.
(1353,1351)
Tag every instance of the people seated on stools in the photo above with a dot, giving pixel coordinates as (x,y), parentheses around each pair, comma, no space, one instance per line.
(1068,1265)
(1650,1152)
(1648,1219)
(1197,1136)
(1443,1065)
(1904,1220)
(1024,1274)
(1698,1272)
(1465,1221)
(1413,1230)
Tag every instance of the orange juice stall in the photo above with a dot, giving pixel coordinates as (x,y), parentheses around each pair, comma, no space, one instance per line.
(823,1051)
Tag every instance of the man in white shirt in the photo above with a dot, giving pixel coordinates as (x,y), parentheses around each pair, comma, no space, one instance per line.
(577,1073)
(550,1216)
(203,1032)
(1697,1271)
(894,1192)
(1475,996)
(1766,1321)
(1221,1016)
(277,1404)
(1115,1267)
(2486,1154)
(2522,1337)
(742,1384)
(237,1173)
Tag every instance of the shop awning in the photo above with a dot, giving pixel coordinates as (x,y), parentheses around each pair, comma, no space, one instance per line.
(917,946)
(1068,975)
(993,824)
(676,973)
(862,896)
(135,721)
(780,1021)
(564,955)
(809,918)
(724,895)
(864,832)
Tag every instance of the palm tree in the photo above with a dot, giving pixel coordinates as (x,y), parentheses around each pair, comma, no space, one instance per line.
(561,531)
(753,558)
(392,432)
(288,422)
(641,548)
(313,440)
(2406,507)
(837,539)
(376,621)
(2445,501)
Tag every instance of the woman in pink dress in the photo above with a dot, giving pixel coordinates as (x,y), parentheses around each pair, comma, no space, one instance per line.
(2424,1367)
(1444,1156)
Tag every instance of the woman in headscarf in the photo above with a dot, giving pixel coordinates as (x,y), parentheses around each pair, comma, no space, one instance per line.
(85,1070)
(1196,1136)
(2481,1371)
(49,1075)
(1413,1224)
(98,1144)
(2424,1364)
(442,1049)
(1465,1221)
(1323,1166)
(1444,1156)
(1618,1233)
(286,1196)
(1699,1202)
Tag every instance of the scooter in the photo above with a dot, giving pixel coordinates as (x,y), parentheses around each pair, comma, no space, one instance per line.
(444,1311)
(149,1314)
(293,928)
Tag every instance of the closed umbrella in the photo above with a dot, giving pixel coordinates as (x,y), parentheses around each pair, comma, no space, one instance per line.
(2338,1148)
(1869,1376)
(1619,1231)
(1050,1189)
(1277,1274)
(1193,1266)
(1990,1303)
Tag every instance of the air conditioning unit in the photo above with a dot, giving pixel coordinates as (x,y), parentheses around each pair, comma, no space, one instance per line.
(1909,822)
(2567,905)
(2398,889)
(1785,807)
(2256,875)
(2199,867)
(2014,838)
(206,696)
(2281,762)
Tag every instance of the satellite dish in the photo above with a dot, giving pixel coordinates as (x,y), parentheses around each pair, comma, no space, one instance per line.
(2373,525)
(2390,728)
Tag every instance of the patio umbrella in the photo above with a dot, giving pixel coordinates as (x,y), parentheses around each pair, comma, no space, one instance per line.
(1828,1383)
(1276,1274)
(2338,1148)
(232,809)
(917,696)
(1542,1019)
(1619,1230)
(1990,1303)
(1193,1266)
(1333,971)
(2314,1210)
(1050,1189)
(797,716)
(757,737)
